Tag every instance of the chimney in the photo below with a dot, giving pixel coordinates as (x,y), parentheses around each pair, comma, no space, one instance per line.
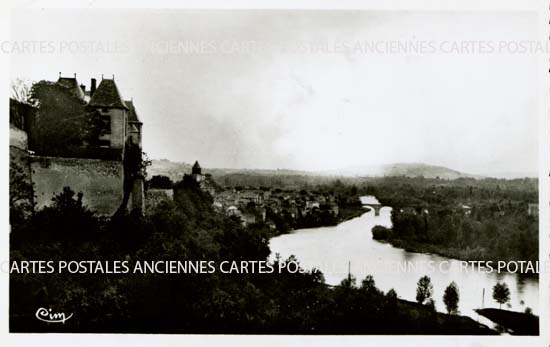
(92,87)
(83,87)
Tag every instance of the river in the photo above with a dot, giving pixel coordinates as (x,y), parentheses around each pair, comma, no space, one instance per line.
(350,245)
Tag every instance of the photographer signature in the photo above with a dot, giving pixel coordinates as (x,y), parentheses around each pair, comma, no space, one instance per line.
(46,315)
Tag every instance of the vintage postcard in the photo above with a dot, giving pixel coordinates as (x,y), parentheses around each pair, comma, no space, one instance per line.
(246,173)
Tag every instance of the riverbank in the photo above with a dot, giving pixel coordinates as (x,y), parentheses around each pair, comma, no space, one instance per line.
(349,212)
(516,323)
(457,253)
(427,248)
(345,213)
(410,319)
(440,323)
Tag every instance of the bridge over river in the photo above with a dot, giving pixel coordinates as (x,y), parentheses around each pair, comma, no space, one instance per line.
(371,202)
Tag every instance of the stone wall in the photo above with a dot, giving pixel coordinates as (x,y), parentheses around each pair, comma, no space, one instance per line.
(101,181)
(118,128)
(137,198)
(18,138)
(117,132)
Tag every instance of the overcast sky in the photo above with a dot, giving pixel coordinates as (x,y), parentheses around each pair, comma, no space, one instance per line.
(254,93)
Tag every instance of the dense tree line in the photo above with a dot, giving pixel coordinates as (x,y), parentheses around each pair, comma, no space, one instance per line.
(465,218)
(160,182)
(317,217)
(400,191)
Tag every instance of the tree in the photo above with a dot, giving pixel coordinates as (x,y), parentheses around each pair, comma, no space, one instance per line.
(391,299)
(369,285)
(160,182)
(392,294)
(381,233)
(66,219)
(21,91)
(424,289)
(65,201)
(21,192)
(451,298)
(501,293)
(431,304)
(348,282)
(63,123)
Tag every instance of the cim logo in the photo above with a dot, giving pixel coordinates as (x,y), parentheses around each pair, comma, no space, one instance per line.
(46,315)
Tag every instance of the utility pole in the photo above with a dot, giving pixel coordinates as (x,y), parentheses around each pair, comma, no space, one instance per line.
(349,270)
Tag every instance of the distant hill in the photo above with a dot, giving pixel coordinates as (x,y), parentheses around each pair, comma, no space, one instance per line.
(175,171)
(513,174)
(404,169)
(433,171)
(425,170)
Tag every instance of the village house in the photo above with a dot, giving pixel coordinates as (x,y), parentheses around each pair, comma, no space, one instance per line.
(251,204)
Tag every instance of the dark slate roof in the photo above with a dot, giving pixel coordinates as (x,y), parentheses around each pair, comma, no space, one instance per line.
(132,114)
(72,84)
(196,165)
(107,95)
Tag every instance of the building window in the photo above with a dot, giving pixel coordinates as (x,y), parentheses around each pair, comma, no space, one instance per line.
(106,125)
(104,143)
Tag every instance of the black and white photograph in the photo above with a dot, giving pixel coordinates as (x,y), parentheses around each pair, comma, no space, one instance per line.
(287,172)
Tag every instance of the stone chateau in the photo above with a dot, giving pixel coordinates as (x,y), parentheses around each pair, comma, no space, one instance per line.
(105,168)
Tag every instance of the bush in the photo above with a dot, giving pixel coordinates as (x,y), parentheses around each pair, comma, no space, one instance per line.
(381,233)
(160,182)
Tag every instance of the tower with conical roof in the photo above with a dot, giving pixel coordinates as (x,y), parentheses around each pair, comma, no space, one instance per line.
(114,113)
(196,172)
